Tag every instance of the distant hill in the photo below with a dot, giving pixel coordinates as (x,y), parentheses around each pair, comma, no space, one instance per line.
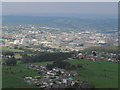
(77,24)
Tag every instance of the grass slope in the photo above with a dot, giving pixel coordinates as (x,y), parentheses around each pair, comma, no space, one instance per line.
(15,79)
(101,74)
(11,50)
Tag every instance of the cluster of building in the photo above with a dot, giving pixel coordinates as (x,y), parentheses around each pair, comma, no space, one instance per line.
(98,57)
(55,78)
(65,41)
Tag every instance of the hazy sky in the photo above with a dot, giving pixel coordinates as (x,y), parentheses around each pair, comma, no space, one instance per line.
(41,8)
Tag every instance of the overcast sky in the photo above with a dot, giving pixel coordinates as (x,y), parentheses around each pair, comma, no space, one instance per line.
(41,8)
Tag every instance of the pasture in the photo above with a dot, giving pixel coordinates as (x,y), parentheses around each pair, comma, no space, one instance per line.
(13,76)
(12,50)
(102,74)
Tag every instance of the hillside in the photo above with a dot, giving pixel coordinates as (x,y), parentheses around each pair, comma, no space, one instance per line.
(66,24)
(102,74)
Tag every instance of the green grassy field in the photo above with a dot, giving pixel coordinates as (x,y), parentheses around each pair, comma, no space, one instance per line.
(101,74)
(12,76)
(11,50)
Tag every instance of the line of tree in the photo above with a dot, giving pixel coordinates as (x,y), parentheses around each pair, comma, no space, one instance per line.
(46,57)
(64,65)
(11,61)
(105,49)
